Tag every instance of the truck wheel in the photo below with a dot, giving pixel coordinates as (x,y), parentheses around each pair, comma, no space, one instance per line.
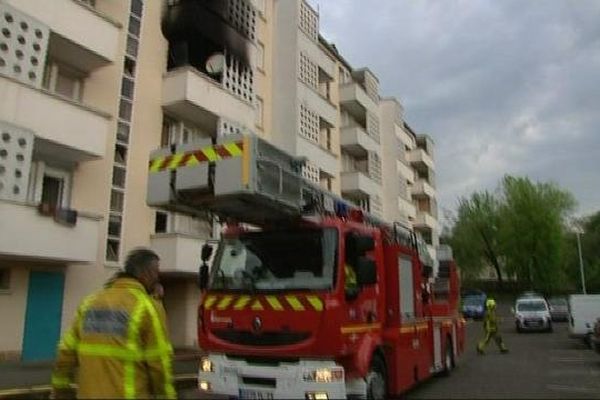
(376,380)
(448,358)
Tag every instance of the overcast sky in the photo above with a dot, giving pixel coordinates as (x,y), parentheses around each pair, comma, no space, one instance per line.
(501,86)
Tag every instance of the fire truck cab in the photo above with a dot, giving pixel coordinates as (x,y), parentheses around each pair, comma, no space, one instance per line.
(308,296)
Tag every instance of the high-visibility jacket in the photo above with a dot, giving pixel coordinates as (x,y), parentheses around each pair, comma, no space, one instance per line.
(490,321)
(350,277)
(119,344)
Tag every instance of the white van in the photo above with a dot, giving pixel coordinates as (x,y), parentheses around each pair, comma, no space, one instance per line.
(584,309)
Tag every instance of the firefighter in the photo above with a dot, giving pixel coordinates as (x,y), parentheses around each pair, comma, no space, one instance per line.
(118,341)
(490,325)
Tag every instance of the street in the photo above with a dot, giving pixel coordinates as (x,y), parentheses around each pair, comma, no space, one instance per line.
(539,365)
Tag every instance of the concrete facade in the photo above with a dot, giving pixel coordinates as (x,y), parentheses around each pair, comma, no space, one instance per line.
(80,127)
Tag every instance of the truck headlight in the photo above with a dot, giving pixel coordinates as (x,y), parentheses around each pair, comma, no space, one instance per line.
(206,365)
(325,375)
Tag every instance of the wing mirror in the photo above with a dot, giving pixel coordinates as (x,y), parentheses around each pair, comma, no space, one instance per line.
(207,251)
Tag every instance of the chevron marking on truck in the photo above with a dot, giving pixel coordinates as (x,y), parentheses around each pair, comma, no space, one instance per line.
(195,157)
(274,303)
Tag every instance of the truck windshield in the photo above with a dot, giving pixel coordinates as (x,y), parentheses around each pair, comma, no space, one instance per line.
(276,260)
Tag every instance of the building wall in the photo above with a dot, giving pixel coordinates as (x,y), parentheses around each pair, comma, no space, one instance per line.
(389,113)
(13,303)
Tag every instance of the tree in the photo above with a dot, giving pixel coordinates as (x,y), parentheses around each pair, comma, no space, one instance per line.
(532,231)
(519,231)
(590,249)
(474,235)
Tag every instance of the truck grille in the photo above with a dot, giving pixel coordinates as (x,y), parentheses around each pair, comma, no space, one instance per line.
(261,339)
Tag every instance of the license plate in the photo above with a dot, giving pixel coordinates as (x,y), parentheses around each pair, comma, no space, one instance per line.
(255,395)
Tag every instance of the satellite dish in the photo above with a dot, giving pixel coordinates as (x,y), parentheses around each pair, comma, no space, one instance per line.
(215,64)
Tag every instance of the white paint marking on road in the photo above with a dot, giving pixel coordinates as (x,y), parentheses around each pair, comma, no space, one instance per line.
(565,388)
(567,359)
(568,372)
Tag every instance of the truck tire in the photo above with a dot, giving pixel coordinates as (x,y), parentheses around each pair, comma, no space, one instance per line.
(448,358)
(376,380)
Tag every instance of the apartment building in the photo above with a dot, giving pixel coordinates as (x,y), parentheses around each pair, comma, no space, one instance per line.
(91,88)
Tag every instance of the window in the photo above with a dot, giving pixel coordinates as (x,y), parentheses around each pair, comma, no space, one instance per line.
(136,7)
(50,185)
(117,200)
(4,279)
(123,132)
(161,222)
(64,80)
(129,67)
(119,177)
(134,26)
(120,154)
(127,88)
(52,189)
(132,46)
(125,109)
(112,249)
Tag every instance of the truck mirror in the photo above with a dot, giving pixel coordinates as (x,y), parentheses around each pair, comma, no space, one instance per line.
(366,272)
(206,252)
(203,277)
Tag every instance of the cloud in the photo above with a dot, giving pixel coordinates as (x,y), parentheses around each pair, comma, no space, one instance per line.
(502,86)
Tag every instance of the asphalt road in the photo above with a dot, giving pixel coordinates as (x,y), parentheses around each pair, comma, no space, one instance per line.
(539,365)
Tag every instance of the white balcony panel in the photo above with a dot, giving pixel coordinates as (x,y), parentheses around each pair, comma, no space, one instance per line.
(191,95)
(356,142)
(317,103)
(178,252)
(359,184)
(316,54)
(421,158)
(27,234)
(406,171)
(422,188)
(84,37)
(326,161)
(425,220)
(80,131)
(356,100)
(408,208)
(406,138)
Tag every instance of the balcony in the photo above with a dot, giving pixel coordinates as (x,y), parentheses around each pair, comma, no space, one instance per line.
(356,142)
(358,184)
(190,95)
(81,36)
(323,158)
(77,131)
(406,171)
(32,236)
(407,207)
(425,221)
(178,252)
(421,188)
(355,99)
(320,104)
(420,159)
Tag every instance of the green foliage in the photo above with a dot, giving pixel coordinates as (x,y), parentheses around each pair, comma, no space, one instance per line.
(519,231)
(590,249)
(532,233)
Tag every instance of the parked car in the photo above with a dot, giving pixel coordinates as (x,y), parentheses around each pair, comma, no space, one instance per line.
(584,309)
(474,306)
(596,336)
(559,308)
(532,313)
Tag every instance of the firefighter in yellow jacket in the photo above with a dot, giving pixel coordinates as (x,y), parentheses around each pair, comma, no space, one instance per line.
(490,325)
(118,342)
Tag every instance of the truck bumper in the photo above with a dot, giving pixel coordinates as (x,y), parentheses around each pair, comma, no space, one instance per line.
(239,378)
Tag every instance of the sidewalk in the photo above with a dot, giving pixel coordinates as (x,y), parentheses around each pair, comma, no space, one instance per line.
(35,377)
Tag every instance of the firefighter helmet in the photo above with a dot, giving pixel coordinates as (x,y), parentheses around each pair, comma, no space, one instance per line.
(490,303)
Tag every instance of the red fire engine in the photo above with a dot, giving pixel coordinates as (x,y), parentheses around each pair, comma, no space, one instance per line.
(307,296)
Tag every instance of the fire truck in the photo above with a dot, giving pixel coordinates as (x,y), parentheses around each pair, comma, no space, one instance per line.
(308,296)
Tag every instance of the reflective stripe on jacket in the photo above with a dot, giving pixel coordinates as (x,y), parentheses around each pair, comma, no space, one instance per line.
(119,344)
